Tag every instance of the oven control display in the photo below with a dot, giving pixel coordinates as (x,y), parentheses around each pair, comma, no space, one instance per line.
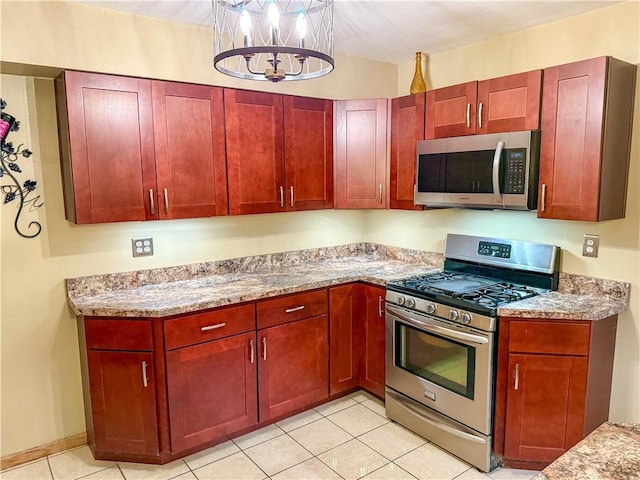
(492,249)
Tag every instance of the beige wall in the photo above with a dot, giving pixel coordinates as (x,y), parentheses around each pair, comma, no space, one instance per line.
(614,30)
(41,398)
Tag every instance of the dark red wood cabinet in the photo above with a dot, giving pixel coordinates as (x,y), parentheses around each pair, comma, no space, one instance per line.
(407,128)
(502,104)
(106,140)
(553,386)
(190,152)
(361,153)
(356,338)
(279,152)
(587,111)
(136,149)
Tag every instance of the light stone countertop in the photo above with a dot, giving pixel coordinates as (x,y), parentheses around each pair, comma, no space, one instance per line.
(610,452)
(176,290)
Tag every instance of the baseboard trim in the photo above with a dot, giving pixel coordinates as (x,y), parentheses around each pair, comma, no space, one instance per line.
(50,448)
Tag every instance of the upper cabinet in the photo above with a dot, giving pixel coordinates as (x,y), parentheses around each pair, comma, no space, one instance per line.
(361,153)
(136,149)
(279,152)
(188,125)
(587,112)
(407,127)
(504,104)
(107,149)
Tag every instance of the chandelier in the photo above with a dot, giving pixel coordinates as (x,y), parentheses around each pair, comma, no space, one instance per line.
(273,39)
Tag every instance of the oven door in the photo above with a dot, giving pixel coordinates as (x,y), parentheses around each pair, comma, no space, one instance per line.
(445,366)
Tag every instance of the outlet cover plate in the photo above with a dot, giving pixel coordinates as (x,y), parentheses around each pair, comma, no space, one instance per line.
(142,247)
(590,245)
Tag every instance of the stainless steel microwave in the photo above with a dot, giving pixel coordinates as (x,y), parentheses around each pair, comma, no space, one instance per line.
(493,171)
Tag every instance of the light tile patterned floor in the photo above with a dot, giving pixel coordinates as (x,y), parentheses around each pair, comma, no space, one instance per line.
(348,438)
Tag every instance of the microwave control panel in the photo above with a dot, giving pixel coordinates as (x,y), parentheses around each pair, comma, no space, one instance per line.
(515,171)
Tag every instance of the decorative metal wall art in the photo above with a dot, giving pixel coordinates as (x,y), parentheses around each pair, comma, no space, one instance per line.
(25,192)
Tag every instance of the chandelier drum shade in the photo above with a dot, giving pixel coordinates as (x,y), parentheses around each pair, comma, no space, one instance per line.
(273,39)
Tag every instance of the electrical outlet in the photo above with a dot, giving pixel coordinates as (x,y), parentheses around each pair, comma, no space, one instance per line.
(590,245)
(142,247)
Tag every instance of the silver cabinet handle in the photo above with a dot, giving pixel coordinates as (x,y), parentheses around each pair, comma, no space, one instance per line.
(291,195)
(166,201)
(252,354)
(151,204)
(517,376)
(212,327)
(145,379)
(294,309)
(380,311)
(468,115)
(497,157)
(480,114)
(543,202)
(281,196)
(264,348)
(380,193)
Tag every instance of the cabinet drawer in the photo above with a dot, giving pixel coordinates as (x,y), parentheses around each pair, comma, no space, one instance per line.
(202,327)
(118,334)
(564,338)
(292,307)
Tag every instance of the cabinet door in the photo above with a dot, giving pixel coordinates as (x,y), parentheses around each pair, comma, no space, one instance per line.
(123,402)
(255,151)
(189,144)
(407,127)
(545,406)
(106,131)
(572,116)
(345,338)
(373,377)
(293,365)
(510,103)
(211,390)
(361,151)
(308,128)
(451,111)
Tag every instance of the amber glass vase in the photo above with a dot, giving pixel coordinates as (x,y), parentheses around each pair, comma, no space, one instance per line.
(417,84)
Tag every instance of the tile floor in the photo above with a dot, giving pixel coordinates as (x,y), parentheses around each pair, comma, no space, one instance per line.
(348,438)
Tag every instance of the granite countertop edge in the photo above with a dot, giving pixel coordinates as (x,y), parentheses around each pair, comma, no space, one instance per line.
(184,289)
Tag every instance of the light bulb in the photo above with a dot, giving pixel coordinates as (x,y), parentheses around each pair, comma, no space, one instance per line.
(274,16)
(301,29)
(245,25)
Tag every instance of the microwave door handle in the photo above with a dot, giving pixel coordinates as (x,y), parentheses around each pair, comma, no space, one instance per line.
(496,170)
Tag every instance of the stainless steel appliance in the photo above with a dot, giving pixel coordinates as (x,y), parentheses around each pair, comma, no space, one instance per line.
(497,171)
(441,332)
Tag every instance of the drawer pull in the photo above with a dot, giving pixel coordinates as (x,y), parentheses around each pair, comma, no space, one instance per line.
(212,327)
(517,376)
(294,309)
(145,379)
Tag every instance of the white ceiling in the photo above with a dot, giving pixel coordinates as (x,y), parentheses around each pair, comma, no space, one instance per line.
(392,31)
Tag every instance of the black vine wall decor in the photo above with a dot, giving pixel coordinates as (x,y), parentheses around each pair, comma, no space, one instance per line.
(25,192)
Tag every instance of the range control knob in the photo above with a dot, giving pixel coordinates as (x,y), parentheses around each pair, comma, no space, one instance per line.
(453,315)
(400,300)
(411,302)
(431,308)
(465,318)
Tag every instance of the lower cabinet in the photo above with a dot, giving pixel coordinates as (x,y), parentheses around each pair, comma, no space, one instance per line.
(357,338)
(211,390)
(293,366)
(553,386)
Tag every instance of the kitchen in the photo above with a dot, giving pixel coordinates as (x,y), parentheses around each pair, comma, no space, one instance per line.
(41,378)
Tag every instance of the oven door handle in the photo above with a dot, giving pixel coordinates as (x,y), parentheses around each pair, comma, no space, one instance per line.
(469,337)
(441,426)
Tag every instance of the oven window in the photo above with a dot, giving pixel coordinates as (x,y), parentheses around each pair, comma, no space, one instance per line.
(437,359)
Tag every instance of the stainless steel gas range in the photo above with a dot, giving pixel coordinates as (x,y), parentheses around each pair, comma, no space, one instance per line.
(441,333)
